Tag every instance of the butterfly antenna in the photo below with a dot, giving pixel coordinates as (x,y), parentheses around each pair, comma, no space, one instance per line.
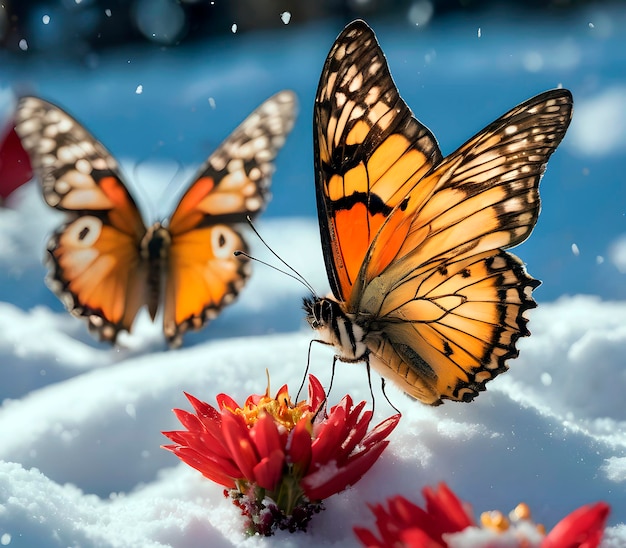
(239,253)
(296,275)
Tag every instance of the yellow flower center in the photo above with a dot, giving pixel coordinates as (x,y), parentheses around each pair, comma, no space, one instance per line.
(494,520)
(498,522)
(282,410)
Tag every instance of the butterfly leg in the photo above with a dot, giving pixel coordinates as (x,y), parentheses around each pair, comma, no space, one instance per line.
(383,383)
(322,405)
(306,371)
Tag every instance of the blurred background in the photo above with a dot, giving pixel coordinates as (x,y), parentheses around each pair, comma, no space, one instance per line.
(76,27)
(162,82)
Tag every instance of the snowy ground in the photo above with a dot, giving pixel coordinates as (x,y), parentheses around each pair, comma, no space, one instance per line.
(80,463)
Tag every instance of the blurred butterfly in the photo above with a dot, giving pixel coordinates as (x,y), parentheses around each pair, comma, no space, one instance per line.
(413,242)
(106,264)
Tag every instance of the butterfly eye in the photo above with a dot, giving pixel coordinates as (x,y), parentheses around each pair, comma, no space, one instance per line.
(313,322)
(311,317)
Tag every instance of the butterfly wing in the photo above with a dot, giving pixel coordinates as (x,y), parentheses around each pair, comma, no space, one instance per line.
(95,267)
(441,302)
(483,196)
(203,274)
(369,152)
(452,301)
(447,330)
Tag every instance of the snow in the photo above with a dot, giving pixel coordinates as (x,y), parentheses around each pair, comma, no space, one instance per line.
(80,423)
(80,458)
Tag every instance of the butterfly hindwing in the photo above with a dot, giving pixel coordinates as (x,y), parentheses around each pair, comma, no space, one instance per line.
(203,273)
(94,265)
(446,331)
(369,151)
(428,290)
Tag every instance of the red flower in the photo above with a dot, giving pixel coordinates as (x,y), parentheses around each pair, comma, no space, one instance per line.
(406,524)
(15,168)
(280,460)
(447,519)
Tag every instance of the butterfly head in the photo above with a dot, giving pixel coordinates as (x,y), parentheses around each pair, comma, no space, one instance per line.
(336,328)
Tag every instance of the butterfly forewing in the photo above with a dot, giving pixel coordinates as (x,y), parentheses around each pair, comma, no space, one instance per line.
(94,266)
(487,192)
(439,302)
(203,273)
(369,151)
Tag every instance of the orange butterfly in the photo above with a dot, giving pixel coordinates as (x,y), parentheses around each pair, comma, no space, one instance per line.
(414,242)
(106,264)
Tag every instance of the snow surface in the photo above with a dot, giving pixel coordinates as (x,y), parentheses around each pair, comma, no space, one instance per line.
(80,423)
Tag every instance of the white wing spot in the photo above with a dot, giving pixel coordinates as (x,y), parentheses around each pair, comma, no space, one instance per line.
(46,145)
(254,204)
(83,166)
(356,83)
(65,125)
(255,174)
(84,232)
(66,155)
(223,242)
(100,163)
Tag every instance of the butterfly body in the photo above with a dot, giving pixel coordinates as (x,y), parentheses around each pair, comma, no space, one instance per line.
(414,242)
(106,264)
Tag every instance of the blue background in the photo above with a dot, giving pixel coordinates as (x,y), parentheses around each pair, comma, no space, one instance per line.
(455,80)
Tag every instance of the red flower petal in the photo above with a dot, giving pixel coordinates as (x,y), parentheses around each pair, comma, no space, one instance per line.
(221,472)
(416,538)
(405,515)
(265,436)
(583,528)
(203,442)
(268,472)
(355,433)
(367,538)
(329,479)
(317,395)
(381,430)
(329,436)
(299,446)
(15,168)
(190,421)
(203,410)
(224,401)
(446,509)
(237,437)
